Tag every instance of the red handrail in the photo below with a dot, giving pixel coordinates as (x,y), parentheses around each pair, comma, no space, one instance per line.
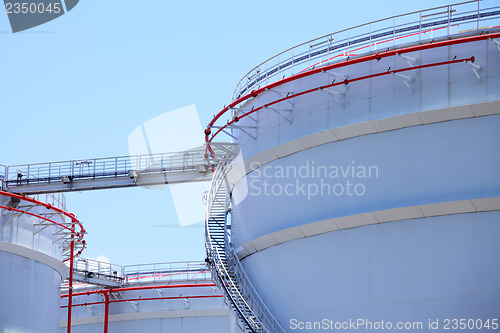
(74,233)
(377,56)
(106,292)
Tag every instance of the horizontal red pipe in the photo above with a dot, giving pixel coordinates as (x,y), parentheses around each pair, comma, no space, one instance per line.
(376,56)
(145,299)
(341,83)
(168,286)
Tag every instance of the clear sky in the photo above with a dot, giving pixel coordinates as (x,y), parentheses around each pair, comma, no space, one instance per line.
(75,88)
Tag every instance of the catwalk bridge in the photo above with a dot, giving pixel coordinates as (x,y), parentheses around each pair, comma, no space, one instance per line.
(112,172)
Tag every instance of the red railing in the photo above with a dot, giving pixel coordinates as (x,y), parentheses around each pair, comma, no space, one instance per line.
(76,236)
(209,136)
(107,301)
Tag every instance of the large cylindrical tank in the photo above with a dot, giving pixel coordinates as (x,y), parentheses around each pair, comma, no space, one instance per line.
(373,194)
(31,267)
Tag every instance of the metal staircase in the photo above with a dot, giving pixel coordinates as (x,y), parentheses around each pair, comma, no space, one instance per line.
(226,269)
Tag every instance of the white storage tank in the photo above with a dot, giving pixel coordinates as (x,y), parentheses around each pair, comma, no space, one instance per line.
(31,254)
(369,189)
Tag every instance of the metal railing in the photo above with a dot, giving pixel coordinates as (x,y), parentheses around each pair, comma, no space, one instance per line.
(3,177)
(91,268)
(105,167)
(166,272)
(251,296)
(141,273)
(68,233)
(433,23)
(55,199)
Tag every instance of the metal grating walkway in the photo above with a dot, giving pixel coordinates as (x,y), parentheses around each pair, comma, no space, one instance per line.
(111,172)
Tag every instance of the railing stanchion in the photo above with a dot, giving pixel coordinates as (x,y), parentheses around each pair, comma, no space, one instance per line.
(478,11)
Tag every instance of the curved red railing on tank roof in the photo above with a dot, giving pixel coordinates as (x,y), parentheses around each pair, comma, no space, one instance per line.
(76,236)
(74,221)
(377,56)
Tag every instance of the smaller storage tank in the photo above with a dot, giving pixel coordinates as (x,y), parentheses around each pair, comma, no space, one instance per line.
(166,297)
(34,240)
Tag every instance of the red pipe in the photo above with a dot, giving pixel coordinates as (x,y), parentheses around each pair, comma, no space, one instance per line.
(345,82)
(376,56)
(105,293)
(144,299)
(70,300)
(106,311)
(167,286)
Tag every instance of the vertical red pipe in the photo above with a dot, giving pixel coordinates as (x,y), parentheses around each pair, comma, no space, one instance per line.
(71,257)
(106,310)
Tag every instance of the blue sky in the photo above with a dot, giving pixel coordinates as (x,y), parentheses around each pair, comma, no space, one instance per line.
(76,87)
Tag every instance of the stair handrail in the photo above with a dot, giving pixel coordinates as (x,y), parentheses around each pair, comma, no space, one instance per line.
(262,320)
(264,314)
(219,269)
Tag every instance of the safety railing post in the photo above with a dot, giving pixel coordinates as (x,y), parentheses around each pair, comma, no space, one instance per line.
(420,27)
(348,42)
(267,71)
(393,31)
(478,10)
(309,55)
(449,20)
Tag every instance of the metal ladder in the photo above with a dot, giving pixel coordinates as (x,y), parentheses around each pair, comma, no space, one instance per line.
(217,248)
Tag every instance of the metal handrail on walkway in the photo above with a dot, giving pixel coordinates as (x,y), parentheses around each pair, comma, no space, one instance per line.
(406,28)
(110,167)
(166,272)
(112,172)
(90,271)
(86,268)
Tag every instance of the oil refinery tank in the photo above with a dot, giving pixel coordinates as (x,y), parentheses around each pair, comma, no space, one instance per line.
(367,188)
(35,238)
